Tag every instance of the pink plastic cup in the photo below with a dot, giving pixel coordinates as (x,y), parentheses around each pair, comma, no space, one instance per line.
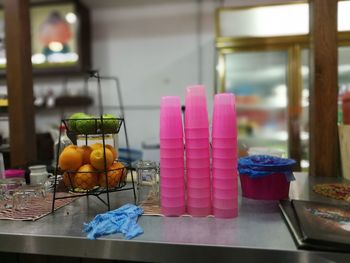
(172,172)
(225,143)
(167,176)
(199,202)
(196,113)
(197,163)
(233,181)
(227,181)
(224,153)
(227,184)
(171,182)
(171,153)
(197,143)
(224,128)
(225,213)
(170,117)
(224,116)
(198,182)
(173,211)
(170,102)
(171,143)
(199,211)
(171,162)
(172,191)
(225,101)
(225,203)
(197,153)
(172,201)
(225,163)
(11,173)
(196,117)
(198,192)
(224,173)
(198,172)
(195,91)
(225,193)
(196,133)
(219,130)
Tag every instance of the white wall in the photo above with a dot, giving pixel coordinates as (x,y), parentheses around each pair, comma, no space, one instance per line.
(154,48)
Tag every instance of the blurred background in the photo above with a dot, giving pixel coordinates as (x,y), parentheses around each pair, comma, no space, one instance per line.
(255,49)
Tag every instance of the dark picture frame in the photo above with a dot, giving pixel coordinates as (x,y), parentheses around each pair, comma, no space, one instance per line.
(79,39)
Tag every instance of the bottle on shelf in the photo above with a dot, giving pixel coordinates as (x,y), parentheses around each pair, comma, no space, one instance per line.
(62,142)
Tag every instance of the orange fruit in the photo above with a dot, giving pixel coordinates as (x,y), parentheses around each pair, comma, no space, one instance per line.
(68,179)
(70,147)
(97,159)
(86,178)
(96,146)
(70,159)
(113,175)
(113,150)
(86,151)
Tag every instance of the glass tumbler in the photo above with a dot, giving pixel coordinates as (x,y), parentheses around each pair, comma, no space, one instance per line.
(7,188)
(24,197)
(147,182)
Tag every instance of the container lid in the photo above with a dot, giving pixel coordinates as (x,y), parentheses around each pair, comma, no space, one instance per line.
(262,165)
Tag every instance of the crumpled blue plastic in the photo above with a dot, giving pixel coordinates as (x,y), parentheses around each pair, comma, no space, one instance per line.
(262,165)
(122,220)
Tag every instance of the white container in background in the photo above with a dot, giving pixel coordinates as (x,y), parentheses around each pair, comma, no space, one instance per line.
(38,174)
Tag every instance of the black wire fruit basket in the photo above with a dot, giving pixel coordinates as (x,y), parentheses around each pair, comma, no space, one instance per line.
(87,179)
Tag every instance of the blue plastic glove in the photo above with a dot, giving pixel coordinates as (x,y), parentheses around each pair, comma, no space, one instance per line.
(122,220)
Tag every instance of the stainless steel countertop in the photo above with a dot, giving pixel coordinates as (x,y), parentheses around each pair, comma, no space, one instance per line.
(257,234)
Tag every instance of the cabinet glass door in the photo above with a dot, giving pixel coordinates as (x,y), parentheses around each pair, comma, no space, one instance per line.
(259,81)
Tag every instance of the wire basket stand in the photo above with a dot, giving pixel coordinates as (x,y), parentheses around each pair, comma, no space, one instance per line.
(97,126)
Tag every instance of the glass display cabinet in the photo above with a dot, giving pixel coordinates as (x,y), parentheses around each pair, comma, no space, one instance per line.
(263,58)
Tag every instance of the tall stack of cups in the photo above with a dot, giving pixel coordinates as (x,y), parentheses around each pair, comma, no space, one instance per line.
(172,185)
(224,157)
(197,152)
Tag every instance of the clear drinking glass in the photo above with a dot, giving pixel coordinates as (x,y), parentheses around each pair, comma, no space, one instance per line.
(23,196)
(147,182)
(7,188)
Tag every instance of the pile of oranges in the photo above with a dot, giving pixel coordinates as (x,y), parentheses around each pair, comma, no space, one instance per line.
(86,166)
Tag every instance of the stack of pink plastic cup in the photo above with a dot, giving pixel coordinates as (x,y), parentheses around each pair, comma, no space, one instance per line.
(197,152)
(224,157)
(172,183)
